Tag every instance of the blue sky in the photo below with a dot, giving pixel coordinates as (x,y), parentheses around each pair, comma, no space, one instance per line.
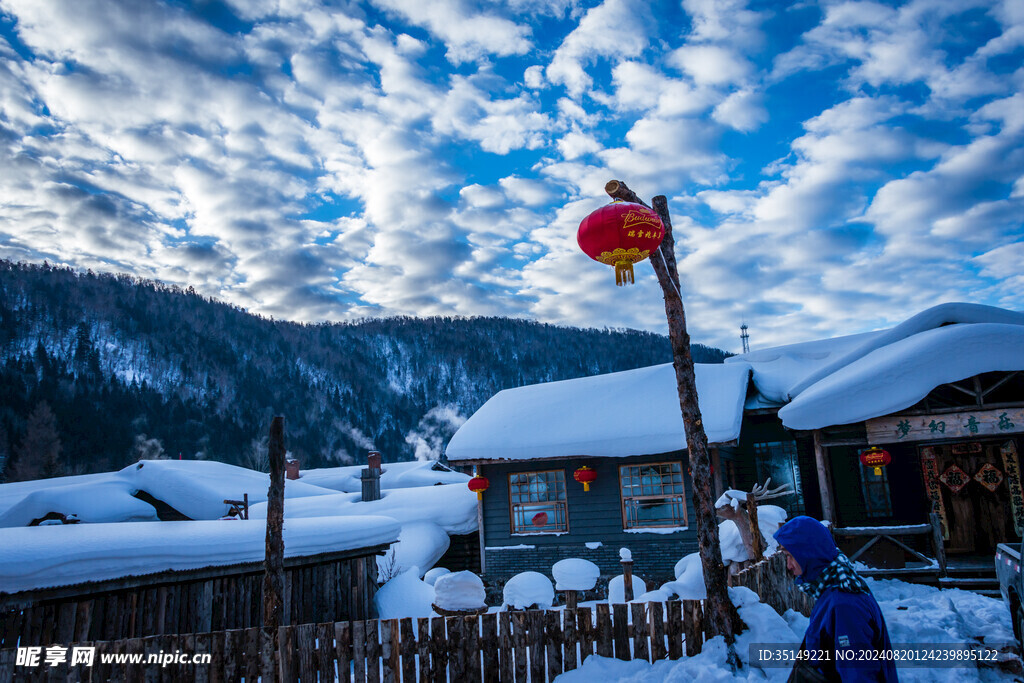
(831,167)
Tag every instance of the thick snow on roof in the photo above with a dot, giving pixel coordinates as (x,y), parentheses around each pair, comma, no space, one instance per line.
(48,556)
(839,381)
(394,475)
(902,373)
(623,413)
(451,506)
(195,488)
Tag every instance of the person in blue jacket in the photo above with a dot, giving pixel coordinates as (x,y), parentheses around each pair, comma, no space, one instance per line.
(846,623)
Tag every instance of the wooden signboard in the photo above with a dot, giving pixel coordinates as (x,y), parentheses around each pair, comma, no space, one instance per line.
(966,424)
(1011,467)
(930,470)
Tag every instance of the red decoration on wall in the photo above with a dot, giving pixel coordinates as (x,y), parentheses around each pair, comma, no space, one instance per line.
(585,475)
(478,485)
(540,519)
(955,478)
(620,234)
(989,476)
(875,457)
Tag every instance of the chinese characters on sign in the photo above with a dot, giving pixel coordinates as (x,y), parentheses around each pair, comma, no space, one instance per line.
(931,482)
(1008,451)
(970,424)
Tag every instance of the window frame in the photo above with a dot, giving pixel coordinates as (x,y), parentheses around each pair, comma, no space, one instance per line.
(682,522)
(556,504)
(881,483)
(767,451)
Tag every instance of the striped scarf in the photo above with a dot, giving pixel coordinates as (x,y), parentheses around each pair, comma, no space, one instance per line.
(839,574)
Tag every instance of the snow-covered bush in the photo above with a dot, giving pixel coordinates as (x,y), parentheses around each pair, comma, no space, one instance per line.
(431,576)
(528,589)
(404,596)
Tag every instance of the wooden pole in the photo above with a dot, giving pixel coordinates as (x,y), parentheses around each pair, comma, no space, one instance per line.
(273,574)
(721,613)
(824,479)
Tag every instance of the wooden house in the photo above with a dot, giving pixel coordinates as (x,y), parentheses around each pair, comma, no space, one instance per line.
(626,428)
(942,393)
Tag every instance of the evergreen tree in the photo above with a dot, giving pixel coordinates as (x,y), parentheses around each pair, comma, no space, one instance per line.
(39,454)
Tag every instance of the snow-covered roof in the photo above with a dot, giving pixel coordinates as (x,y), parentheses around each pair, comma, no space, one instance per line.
(49,556)
(451,506)
(394,475)
(850,379)
(195,488)
(619,414)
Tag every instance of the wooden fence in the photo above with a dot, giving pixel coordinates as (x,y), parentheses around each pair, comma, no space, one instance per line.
(512,647)
(327,587)
(858,541)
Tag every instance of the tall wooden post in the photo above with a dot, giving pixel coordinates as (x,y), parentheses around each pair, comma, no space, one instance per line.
(273,573)
(824,479)
(721,613)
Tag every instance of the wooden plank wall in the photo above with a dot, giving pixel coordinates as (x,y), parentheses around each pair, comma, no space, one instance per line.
(339,590)
(511,647)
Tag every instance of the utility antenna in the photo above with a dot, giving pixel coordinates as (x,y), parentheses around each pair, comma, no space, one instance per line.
(745,338)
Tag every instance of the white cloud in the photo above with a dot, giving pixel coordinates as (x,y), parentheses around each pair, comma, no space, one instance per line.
(711,64)
(615,29)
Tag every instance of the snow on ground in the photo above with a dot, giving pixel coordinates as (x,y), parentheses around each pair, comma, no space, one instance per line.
(526,590)
(195,488)
(47,556)
(394,475)
(914,614)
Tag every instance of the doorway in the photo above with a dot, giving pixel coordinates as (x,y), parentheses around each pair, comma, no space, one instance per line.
(970,479)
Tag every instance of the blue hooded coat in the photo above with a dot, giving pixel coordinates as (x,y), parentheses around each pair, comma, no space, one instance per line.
(839,619)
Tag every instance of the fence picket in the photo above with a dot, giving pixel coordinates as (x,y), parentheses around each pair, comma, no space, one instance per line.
(286,653)
(305,643)
(252,654)
(569,639)
(585,629)
(620,631)
(423,648)
(693,627)
(641,648)
(389,650)
(408,643)
(657,631)
(506,660)
(438,650)
(520,644)
(535,619)
(343,649)
(553,643)
(372,652)
(604,630)
(456,663)
(359,650)
(490,645)
(674,628)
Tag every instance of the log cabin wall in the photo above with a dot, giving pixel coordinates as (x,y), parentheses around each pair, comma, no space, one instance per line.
(593,517)
(322,588)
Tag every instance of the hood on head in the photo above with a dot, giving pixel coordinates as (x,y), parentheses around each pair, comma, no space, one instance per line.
(810,543)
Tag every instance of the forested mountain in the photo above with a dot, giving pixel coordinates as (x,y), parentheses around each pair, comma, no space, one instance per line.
(100,370)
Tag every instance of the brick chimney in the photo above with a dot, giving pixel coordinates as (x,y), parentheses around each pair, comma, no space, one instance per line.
(291,468)
(371,477)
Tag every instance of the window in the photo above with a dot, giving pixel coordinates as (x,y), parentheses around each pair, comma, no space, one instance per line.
(652,495)
(538,502)
(876,491)
(778,460)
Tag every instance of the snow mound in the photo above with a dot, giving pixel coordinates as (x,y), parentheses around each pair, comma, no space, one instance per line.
(431,576)
(526,590)
(404,596)
(394,475)
(459,591)
(421,544)
(689,583)
(93,502)
(575,574)
(617,588)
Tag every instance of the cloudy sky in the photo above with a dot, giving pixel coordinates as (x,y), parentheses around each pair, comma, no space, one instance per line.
(831,167)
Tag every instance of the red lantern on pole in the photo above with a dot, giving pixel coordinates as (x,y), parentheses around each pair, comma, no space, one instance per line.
(875,457)
(585,475)
(620,234)
(478,485)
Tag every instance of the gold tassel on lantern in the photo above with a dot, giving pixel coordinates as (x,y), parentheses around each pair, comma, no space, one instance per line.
(623,273)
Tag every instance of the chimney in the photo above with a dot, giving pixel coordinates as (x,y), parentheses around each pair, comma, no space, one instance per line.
(371,477)
(291,469)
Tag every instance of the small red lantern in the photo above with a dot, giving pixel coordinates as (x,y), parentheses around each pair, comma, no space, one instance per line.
(478,485)
(620,234)
(875,457)
(585,475)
